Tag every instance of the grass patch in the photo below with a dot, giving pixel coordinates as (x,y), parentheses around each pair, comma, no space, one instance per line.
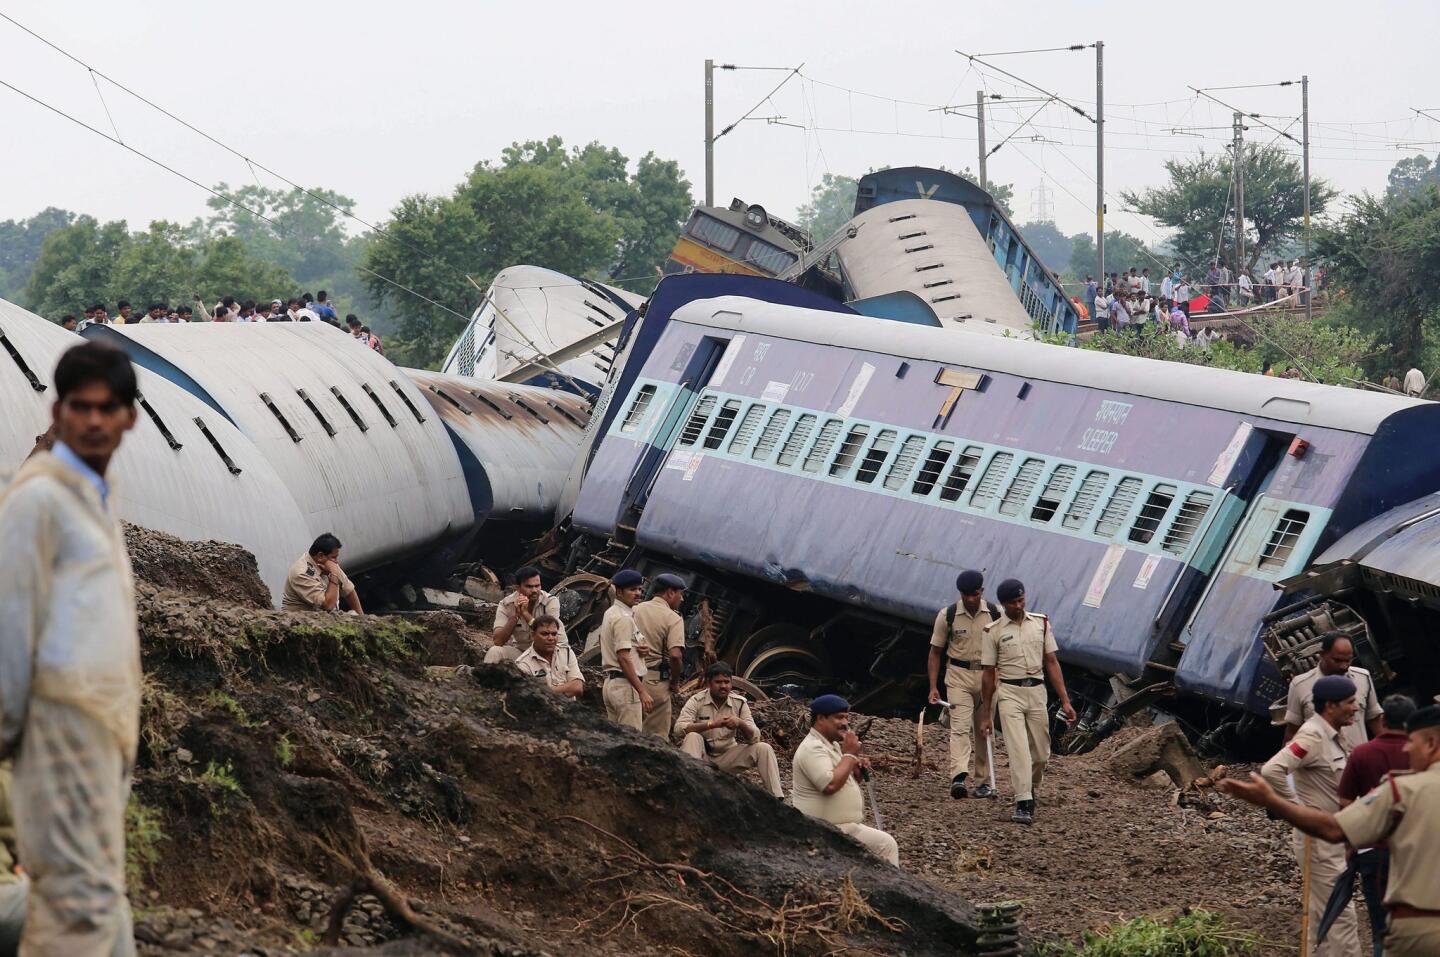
(1193,933)
(144,833)
(284,751)
(162,715)
(221,701)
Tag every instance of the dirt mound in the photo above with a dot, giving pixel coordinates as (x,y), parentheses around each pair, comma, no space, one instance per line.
(211,570)
(284,754)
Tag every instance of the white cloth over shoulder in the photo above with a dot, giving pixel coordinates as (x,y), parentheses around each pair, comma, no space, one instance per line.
(69,705)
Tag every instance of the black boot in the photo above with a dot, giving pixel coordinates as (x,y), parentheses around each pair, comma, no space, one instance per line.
(958,789)
(1024,812)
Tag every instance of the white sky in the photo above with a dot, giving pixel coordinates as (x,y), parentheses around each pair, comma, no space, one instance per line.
(379,100)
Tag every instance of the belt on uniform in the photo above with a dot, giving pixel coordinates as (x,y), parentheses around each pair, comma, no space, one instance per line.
(614,673)
(1023,682)
(1405,910)
(967,665)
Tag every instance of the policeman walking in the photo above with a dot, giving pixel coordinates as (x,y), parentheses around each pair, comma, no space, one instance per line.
(1018,652)
(1314,759)
(1403,811)
(662,645)
(627,700)
(956,641)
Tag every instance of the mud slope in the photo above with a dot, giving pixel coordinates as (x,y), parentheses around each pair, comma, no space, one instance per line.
(284,754)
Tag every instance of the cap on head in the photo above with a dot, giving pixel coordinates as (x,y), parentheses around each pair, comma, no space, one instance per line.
(969,581)
(1427,717)
(1010,589)
(1332,688)
(668,581)
(627,578)
(834,704)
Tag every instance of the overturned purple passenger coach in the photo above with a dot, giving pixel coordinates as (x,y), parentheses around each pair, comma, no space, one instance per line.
(823,477)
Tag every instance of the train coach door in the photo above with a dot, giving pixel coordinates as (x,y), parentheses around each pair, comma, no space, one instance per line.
(1248,464)
(698,370)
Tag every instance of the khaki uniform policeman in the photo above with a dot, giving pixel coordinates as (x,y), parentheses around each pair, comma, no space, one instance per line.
(1403,811)
(1314,759)
(548,659)
(1336,654)
(626,698)
(512,624)
(955,641)
(718,728)
(662,633)
(307,582)
(1017,653)
(828,760)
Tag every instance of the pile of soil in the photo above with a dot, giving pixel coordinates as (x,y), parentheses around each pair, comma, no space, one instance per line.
(211,570)
(1103,848)
(284,755)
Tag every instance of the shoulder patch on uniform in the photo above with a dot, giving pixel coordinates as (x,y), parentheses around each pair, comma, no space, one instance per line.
(1296,749)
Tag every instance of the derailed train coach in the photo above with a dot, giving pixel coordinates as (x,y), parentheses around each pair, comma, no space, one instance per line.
(823,477)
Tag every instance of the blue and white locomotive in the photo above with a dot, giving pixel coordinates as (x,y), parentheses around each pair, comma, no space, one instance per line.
(822,477)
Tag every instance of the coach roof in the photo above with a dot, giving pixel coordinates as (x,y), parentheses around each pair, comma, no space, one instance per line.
(1284,400)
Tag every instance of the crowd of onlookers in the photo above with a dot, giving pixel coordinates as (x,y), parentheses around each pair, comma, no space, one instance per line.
(1128,301)
(302,308)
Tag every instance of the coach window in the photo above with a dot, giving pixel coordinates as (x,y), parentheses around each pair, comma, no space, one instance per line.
(1283,538)
(1021,486)
(1113,516)
(934,464)
(696,423)
(771,434)
(1090,488)
(904,463)
(824,442)
(849,449)
(1053,494)
(746,431)
(638,406)
(875,456)
(723,420)
(960,473)
(1187,522)
(990,480)
(1152,513)
(799,435)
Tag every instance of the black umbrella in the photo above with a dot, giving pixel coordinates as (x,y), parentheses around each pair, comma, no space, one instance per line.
(1340,897)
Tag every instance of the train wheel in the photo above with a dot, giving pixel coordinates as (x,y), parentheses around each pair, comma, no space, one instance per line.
(583,600)
(782,658)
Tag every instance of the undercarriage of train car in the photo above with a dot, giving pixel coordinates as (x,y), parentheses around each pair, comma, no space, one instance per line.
(788,641)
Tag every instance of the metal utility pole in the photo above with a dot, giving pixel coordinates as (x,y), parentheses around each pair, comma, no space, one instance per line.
(1100,161)
(709,132)
(1239,192)
(1305,150)
(980,122)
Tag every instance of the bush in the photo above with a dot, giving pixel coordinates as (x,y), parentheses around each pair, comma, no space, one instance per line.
(1194,933)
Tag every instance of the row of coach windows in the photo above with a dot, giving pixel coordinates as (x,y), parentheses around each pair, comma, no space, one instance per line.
(1031,489)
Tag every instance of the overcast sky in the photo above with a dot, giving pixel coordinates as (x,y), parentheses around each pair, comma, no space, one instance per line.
(381,100)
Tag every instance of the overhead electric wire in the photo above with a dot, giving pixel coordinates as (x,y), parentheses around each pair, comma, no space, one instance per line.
(794,72)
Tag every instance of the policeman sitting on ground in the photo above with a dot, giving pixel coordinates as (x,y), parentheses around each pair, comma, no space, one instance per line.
(824,771)
(516,613)
(1403,811)
(662,645)
(1019,651)
(316,580)
(547,658)
(715,721)
(956,636)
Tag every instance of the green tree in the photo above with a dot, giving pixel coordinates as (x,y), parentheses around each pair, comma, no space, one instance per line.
(75,267)
(1052,246)
(227,267)
(831,205)
(1197,203)
(579,211)
(1122,251)
(1380,254)
(20,244)
(1409,176)
(155,266)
